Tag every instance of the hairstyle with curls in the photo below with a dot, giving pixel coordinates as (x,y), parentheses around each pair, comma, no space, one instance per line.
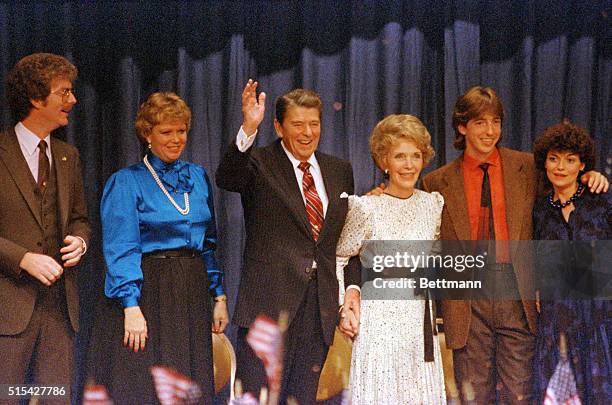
(477,100)
(297,98)
(160,108)
(565,137)
(30,79)
(394,128)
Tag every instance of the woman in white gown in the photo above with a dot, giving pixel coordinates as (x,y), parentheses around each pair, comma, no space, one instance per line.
(388,363)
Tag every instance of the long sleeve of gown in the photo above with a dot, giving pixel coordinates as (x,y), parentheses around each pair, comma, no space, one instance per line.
(121,239)
(357,228)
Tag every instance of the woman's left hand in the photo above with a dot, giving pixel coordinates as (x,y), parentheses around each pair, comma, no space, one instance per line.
(220,317)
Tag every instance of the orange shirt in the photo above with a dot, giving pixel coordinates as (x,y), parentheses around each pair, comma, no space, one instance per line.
(472,180)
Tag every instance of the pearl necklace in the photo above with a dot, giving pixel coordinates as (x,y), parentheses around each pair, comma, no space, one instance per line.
(161,186)
(573,198)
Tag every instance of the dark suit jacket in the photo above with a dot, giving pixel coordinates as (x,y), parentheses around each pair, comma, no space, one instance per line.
(520,182)
(280,248)
(21,228)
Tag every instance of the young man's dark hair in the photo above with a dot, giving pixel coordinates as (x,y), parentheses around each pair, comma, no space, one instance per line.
(474,102)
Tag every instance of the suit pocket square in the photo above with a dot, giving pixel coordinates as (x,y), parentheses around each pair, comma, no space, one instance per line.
(344,195)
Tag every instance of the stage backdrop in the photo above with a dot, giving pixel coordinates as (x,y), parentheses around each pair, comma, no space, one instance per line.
(548,60)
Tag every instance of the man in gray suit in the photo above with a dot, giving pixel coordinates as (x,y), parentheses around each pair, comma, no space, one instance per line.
(294,213)
(43,226)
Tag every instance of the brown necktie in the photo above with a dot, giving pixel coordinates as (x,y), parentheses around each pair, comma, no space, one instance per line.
(314,206)
(43,165)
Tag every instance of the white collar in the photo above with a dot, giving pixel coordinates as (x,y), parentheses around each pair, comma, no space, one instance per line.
(295,163)
(29,140)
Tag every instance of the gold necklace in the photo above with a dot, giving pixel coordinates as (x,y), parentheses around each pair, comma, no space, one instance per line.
(161,186)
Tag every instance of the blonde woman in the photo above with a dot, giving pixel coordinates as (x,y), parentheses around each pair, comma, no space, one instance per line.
(159,240)
(390,362)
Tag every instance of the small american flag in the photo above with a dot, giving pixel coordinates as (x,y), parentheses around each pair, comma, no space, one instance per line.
(96,395)
(246,399)
(561,388)
(173,388)
(265,338)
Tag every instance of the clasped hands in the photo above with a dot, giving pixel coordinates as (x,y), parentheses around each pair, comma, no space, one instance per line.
(45,269)
(350,313)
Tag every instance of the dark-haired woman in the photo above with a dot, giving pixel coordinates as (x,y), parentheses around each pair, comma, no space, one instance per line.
(569,302)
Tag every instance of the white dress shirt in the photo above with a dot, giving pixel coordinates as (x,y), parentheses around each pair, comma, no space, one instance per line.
(28,142)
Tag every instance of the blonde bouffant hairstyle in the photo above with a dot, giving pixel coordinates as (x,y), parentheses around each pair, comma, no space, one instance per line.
(396,127)
(161,107)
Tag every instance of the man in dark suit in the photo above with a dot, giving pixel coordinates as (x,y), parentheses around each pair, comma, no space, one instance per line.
(491,338)
(294,213)
(43,226)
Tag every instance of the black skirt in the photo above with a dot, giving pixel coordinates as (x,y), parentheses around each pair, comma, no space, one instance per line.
(176,305)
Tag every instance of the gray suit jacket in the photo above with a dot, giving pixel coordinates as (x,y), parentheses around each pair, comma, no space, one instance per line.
(520,185)
(21,228)
(280,248)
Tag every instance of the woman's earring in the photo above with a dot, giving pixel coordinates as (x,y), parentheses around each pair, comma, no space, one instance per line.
(149,145)
(386,175)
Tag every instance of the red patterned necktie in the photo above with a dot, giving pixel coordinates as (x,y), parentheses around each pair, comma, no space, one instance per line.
(314,206)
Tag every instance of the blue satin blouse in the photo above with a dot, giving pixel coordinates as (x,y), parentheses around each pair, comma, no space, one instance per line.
(138,218)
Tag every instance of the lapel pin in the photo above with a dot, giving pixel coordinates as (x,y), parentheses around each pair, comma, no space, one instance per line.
(344,195)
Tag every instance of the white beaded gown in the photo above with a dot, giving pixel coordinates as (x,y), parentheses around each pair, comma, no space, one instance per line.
(388,365)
